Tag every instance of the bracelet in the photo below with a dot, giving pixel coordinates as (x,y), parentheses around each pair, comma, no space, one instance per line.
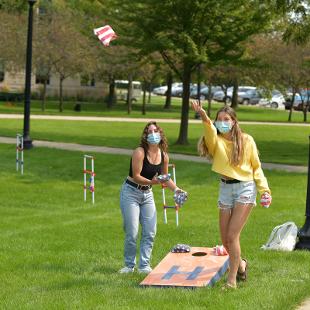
(176,189)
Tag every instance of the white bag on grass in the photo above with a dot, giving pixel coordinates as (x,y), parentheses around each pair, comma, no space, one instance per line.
(283,238)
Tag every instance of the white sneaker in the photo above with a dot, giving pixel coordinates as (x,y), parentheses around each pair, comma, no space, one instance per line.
(126,270)
(145,270)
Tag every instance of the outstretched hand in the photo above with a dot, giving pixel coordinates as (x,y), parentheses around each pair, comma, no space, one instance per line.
(196,106)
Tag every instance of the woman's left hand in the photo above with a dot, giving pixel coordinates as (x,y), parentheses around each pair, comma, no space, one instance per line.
(265,200)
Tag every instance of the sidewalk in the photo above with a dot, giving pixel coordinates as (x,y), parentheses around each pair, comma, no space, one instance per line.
(119,151)
(134,120)
(305,305)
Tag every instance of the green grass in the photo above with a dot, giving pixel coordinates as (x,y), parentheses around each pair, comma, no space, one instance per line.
(153,110)
(58,252)
(277,144)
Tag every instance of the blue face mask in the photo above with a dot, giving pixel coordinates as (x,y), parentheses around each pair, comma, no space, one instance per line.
(223,127)
(153,138)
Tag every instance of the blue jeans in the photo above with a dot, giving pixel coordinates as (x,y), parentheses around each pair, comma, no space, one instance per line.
(138,206)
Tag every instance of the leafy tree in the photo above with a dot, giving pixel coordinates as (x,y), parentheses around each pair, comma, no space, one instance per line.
(187,33)
(61,48)
(13,40)
(284,64)
(13,6)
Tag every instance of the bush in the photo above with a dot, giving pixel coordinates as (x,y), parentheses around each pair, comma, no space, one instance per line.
(77,107)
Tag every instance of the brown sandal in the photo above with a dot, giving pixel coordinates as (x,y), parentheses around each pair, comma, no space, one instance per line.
(242,276)
(229,286)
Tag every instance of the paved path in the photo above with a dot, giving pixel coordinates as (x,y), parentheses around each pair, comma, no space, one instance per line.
(305,305)
(128,119)
(112,150)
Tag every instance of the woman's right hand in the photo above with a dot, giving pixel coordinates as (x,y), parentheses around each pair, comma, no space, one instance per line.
(155,180)
(199,109)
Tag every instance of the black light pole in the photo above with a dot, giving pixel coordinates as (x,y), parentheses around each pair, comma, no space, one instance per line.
(304,232)
(27,139)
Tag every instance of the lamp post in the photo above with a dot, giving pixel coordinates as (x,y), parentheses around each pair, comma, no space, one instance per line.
(304,232)
(27,139)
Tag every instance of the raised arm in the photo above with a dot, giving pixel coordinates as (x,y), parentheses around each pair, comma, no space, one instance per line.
(199,109)
(210,132)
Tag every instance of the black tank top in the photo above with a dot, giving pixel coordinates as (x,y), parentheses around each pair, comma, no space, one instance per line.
(148,169)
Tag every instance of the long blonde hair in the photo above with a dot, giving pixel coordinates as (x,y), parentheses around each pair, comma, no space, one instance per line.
(236,134)
(202,148)
(237,139)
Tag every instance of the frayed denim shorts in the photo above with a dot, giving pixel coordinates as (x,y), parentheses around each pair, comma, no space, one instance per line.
(243,193)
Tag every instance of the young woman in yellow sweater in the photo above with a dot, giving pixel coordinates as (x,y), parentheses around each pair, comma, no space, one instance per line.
(235,158)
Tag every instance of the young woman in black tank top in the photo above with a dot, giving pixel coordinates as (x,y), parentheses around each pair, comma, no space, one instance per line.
(148,161)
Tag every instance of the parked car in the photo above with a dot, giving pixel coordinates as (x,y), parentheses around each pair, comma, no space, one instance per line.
(304,99)
(178,91)
(204,92)
(160,90)
(220,95)
(121,89)
(277,100)
(298,101)
(252,96)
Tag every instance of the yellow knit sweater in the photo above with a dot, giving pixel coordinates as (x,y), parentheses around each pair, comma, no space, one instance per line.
(220,149)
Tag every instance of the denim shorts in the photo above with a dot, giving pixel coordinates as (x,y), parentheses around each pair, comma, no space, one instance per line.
(243,192)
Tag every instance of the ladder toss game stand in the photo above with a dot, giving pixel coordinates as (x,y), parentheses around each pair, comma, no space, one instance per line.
(165,206)
(92,174)
(20,153)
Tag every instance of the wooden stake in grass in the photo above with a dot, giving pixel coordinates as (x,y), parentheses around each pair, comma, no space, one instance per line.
(92,177)
(165,206)
(20,153)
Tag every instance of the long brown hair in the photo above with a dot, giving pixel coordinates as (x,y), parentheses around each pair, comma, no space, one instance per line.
(236,134)
(163,144)
(202,148)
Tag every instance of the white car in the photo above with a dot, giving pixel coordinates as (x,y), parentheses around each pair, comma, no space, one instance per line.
(220,95)
(276,102)
(160,90)
(163,89)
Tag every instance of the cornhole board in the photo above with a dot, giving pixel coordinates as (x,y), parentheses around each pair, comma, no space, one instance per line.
(200,267)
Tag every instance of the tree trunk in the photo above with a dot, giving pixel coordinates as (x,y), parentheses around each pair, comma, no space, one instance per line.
(129,94)
(144,98)
(150,93)
(44,95)
(291,107)
(61,93)
(197,115)
(306,106)
(209,99)
(234,99)
(168,94)
(111,96)
(183,134)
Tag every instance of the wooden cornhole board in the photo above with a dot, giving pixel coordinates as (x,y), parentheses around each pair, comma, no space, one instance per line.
(200,267)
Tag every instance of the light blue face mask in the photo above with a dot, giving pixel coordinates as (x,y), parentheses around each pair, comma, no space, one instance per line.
(153,138)
(223,127)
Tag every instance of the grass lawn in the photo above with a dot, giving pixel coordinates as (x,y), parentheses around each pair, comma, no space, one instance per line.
(153,110)
(58,252)
(277,144)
